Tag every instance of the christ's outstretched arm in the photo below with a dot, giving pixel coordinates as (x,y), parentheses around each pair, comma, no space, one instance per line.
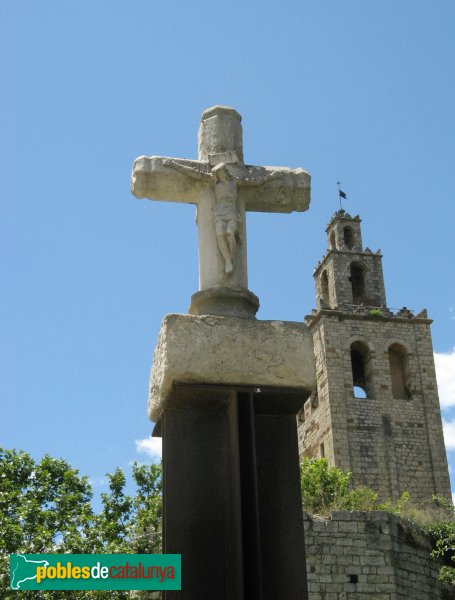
(187,170)
(260,180)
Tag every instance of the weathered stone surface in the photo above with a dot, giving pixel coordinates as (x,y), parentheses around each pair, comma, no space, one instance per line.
(225,301)
(220,136)
(370,555)
(223,188)
(224,350)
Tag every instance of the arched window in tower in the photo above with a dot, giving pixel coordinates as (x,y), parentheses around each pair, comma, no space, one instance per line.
(357,280)
(325,288)
(333,244)
(399,372)
(361,370)
(348,238)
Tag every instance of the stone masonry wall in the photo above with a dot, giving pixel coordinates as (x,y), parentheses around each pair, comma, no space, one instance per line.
(315,428)
(370,556)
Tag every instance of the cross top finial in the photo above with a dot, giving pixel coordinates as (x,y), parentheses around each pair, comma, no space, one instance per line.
(220,136)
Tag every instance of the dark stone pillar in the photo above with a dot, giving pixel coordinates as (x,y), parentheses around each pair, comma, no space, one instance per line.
(232,503)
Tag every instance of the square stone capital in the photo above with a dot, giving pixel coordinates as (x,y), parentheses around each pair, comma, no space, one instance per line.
(229,351)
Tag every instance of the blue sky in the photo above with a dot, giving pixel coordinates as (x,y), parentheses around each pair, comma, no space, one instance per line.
(358,91)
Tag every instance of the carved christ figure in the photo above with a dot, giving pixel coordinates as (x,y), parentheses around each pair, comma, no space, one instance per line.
(226,215)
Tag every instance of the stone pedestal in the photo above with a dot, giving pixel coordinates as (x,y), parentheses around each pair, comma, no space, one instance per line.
(225,302)
(225,393)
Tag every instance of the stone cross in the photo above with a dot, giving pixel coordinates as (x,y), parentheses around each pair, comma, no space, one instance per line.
(223,188)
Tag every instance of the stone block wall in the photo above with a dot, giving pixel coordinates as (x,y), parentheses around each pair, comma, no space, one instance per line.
(370,556)
(337,264)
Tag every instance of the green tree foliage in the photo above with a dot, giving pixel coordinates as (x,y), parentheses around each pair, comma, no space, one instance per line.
(147,508)
(42,505)
(45,507)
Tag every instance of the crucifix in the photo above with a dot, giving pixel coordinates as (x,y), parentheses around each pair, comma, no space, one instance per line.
(223,188)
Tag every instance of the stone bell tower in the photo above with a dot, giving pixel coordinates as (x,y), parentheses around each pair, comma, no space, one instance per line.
(376,409)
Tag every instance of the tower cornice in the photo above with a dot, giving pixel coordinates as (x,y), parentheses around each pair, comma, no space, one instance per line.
(330,252)
(369,313)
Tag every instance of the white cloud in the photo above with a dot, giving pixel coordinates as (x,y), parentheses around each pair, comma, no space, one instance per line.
(97,481)
(445,373)
(150,446)
(449,434)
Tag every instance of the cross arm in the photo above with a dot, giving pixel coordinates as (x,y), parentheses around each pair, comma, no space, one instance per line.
(169,179)
(275,189)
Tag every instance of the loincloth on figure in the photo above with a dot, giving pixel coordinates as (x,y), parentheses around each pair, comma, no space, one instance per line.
(227,218)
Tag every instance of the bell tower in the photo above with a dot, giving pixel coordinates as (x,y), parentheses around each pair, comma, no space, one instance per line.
(376,409)
(365,281)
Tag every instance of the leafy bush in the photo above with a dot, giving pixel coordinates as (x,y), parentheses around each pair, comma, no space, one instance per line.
(323,487)
(361,498)
(443,534)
